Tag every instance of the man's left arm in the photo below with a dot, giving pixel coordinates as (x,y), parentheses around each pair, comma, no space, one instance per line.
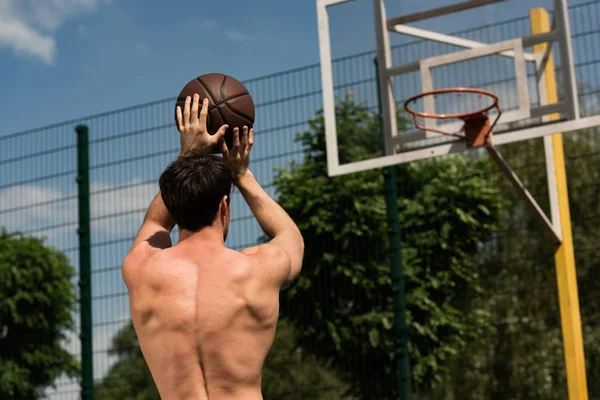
(157,226)
(154,235)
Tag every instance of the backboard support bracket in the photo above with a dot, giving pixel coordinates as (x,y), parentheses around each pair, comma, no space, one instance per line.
(522,191)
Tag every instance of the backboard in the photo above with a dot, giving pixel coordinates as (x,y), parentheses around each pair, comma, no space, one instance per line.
(506,65)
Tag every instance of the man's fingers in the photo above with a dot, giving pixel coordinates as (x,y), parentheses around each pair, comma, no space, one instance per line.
(194,116)
(236,139)
(243,140)
(224,148)
(179,119)
(245,136)
(186,110)
(220,133)
(204,113)
(250,142)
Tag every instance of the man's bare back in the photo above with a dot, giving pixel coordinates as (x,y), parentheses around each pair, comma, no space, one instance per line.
(206,315)
(205,322)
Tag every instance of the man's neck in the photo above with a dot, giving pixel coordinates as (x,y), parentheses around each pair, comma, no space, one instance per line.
(209,234)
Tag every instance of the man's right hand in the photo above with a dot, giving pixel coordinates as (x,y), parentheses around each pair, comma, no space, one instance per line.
(192,129)
(238,157)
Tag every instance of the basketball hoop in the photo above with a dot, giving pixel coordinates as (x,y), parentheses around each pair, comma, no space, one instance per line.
(477,127)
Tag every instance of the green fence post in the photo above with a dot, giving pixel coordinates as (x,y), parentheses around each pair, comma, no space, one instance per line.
(85,264)
(398,291)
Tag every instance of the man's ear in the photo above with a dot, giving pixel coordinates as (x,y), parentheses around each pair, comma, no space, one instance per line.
(224,206)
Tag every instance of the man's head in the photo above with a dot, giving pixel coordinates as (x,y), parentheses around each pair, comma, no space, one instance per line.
(196,189)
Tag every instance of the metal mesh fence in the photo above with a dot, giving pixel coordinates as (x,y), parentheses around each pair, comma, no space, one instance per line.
(130,147)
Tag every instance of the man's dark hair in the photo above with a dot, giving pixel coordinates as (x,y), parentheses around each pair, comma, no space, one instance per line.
(192,188)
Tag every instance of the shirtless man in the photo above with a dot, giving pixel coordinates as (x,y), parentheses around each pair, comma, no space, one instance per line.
(205,315)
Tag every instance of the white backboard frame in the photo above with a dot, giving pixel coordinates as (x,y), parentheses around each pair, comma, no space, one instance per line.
(560,33)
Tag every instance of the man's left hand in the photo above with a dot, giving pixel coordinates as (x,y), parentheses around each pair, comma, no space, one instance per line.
(192,129)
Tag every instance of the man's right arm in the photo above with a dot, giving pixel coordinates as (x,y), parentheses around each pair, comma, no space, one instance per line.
(286,247)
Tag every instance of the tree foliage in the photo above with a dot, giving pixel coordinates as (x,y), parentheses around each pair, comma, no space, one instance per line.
(522,357)
(37,299)
(292,373)
(342,301)
(129,378)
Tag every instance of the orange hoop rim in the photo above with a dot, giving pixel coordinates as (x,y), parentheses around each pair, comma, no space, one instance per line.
(462,116)
(468,117)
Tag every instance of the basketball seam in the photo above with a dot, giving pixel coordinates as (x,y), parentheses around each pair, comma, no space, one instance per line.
(223,87)
(212,98)
(220,103)
(239,114)
(235,110)
(226,100)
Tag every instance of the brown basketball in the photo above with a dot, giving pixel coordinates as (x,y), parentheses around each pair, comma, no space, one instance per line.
(229,103)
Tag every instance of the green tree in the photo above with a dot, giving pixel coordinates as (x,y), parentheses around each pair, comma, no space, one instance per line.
(37,299)
(129,378)
(522,357)
(289,372)
(292,373)
(342,302)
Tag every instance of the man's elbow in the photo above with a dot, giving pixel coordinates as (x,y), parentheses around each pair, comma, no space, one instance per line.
(296,260)
(301,248)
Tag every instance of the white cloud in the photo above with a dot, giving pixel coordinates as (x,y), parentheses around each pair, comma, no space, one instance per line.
(24,40)
(234,36)
(105,206)
(29,26)
(134,197)
(21,196)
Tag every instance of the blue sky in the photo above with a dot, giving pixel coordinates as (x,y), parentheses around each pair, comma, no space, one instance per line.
(88,56)
(72,58)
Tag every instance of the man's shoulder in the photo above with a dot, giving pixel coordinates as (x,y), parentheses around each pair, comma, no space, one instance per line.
(141,253)
(273,263)
(140,260)
(265,252)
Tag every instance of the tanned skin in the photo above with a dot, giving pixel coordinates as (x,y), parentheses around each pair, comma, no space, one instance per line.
(206,315)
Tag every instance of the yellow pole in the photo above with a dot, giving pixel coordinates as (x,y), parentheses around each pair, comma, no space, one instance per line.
(564,256)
